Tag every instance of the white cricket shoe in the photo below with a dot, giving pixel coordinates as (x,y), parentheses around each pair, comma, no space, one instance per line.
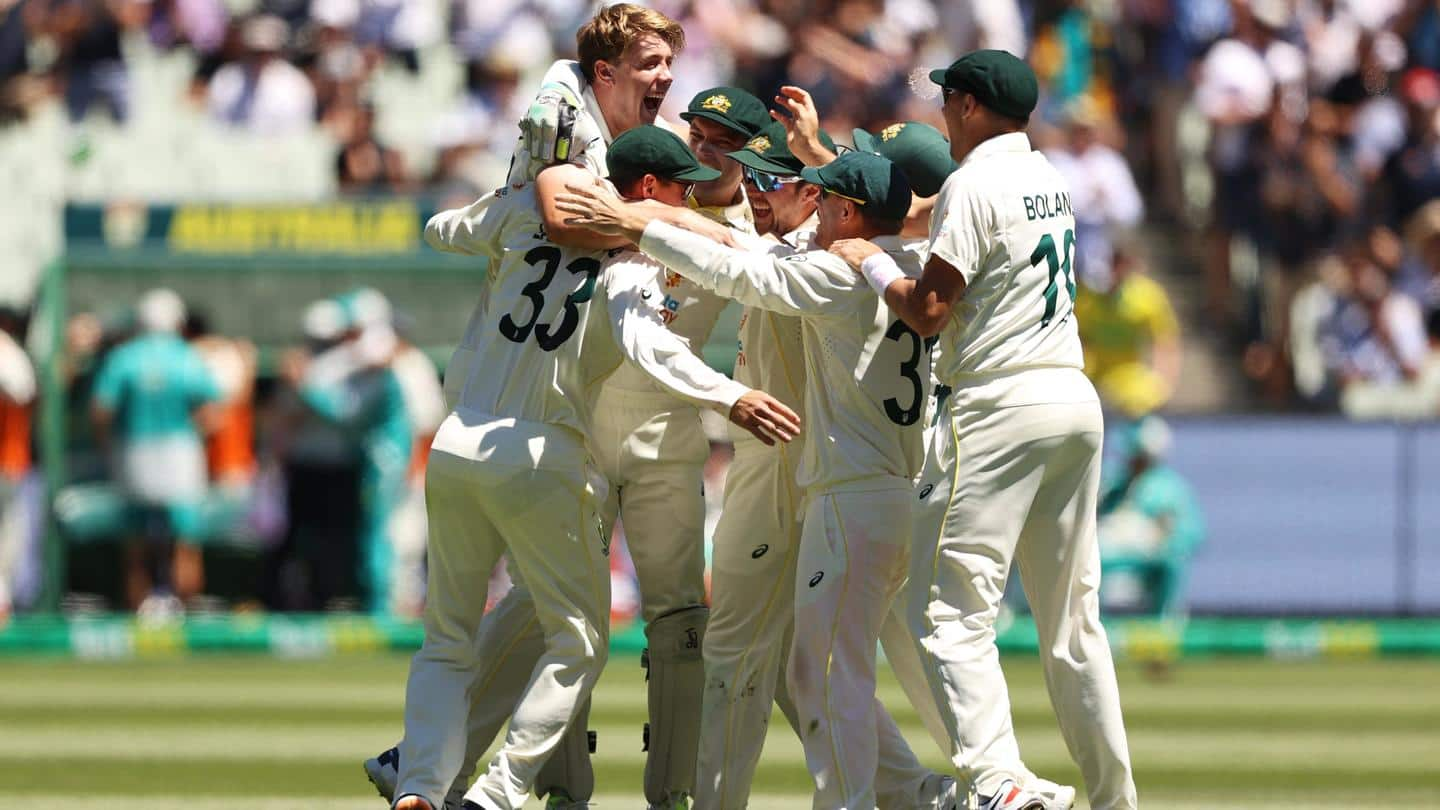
(1057,797)
(383,771)
(1011,796)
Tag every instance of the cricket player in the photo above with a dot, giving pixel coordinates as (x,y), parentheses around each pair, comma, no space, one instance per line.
(508,472)
(748,640)
(621,78)
(1026,429)
(867,395)
(619,82)
(755,544)
(652,445)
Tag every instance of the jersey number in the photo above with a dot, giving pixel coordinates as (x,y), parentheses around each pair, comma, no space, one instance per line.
(910,370)
(1046,250)
(549,336)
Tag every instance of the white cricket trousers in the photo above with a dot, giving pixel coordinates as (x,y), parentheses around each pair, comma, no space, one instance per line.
(1023,488)
(651,449)
(547,521)
(747,643)
(854,553)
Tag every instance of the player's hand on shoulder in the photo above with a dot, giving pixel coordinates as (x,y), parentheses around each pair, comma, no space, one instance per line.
(767,418)
(704,226)
(854,251)
(592,205)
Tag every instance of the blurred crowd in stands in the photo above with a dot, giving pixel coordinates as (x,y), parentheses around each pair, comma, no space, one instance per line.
(1283,154)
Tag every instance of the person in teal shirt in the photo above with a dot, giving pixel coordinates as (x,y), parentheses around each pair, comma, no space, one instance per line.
(352,386)
(1150,525)
(149,405)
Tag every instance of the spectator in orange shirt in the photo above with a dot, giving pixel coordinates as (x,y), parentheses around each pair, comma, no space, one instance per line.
(17,400)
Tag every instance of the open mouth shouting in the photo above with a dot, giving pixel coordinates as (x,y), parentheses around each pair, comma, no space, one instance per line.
(764,214)
(650,104)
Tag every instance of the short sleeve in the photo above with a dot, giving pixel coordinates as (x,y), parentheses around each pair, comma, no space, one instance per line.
(1159,315)
(200,384)
(960,228)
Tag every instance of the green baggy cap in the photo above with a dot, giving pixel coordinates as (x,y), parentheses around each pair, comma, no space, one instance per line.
(731,106)
(648,149)
(999,80)
(919,149)
(767,152)
(873,182)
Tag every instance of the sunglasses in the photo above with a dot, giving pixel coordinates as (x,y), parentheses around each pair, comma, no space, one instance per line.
(765,181)
(946,93)
(689,187)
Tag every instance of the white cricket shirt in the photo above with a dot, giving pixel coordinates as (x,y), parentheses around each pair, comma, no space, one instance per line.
(869,373)
(534,352)
(1003,220)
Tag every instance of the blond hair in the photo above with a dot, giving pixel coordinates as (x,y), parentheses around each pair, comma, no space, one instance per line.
(615,28)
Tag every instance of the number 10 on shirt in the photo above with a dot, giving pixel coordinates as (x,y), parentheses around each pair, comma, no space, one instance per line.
(1046,250)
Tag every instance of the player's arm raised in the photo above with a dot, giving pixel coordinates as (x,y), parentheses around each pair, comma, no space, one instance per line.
(802,126)
(644,339)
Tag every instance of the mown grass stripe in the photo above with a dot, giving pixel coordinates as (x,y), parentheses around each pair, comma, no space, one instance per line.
(210,733)
(1230,752)
(1176,718)
(767,801)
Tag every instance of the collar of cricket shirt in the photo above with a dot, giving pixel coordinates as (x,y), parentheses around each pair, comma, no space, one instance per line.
(592,106)
(1009,142)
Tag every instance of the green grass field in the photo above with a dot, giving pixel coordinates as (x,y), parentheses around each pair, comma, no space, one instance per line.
(264,734)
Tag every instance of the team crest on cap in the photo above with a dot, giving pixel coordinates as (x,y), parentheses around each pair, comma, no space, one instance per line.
(889,133)
(758,144)
(719,103)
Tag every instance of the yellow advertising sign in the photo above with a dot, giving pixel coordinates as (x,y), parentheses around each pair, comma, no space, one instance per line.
(392,226)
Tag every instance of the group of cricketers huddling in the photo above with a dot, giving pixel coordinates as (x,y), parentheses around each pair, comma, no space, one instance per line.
(911,301)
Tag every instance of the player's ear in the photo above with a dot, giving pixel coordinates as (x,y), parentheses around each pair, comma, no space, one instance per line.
(647,186)
(810,193)
(604,72)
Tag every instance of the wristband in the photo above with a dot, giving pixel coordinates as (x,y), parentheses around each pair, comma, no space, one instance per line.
(881,271)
